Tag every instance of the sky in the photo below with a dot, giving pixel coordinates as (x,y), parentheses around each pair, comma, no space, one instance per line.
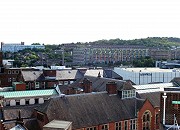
(67,21)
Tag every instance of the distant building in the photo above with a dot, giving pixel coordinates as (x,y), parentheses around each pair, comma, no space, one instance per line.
(15,47)
(107,54)
(147,75)
(160,54)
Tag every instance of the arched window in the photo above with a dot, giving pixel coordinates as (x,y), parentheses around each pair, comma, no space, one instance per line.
(146,120)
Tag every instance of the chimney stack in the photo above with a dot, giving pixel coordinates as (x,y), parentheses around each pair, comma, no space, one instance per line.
(87,85)
(111,87)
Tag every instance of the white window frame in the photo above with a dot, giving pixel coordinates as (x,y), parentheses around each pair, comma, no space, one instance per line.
(105,127)
(36,84)
(133,124)
(128,93)
(91,128)
(118,125)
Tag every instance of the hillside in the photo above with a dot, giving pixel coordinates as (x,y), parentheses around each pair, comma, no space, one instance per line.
(149,42)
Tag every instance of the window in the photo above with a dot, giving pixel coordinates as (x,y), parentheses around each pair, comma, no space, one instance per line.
(105,127)
(133,124)
(36,101)
(60,83)
(27,86)
(65,82)
(125,125)
(36,84)
(27,102)
(17,72)
(17,102)
(9,72)
(146,120)
(118,126)
(9,79)
(128,93)
(91,128)
(14,79)
(71,82)
(157,119)
(7,103)
(13,72)
(43,84)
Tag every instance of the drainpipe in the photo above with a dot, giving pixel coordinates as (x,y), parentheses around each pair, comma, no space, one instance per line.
(164,110)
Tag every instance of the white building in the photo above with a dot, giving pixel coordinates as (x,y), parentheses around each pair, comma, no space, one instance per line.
(15,47)
(147,75)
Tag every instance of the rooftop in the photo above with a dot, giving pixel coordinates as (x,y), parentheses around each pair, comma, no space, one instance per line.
(28,93)
(86,110)
(148,70)
(58,124)
(147,88)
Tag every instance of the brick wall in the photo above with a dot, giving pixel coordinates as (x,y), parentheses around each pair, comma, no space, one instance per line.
(146,107)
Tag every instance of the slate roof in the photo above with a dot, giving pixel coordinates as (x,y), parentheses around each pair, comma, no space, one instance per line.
(68,74)
(11,112)
(98,84)
(85,110)
(176,81)
(127,86)
(153,97)
(60,75)
(30,124)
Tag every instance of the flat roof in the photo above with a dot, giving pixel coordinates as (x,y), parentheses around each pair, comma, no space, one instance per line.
(58,124)
(147,88)
(149,70)
(28,93)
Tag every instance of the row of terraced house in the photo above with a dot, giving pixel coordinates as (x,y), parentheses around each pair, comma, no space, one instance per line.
(116,53)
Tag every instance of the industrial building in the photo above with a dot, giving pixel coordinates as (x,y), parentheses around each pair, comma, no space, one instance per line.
(147,75)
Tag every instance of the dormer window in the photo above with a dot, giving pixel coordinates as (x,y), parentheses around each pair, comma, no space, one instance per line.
(128,93)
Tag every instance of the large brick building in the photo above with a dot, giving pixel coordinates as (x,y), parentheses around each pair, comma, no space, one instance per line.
(117,108)
(107,54)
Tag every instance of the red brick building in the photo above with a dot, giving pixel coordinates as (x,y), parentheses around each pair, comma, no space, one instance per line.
(114,109)
(171,98)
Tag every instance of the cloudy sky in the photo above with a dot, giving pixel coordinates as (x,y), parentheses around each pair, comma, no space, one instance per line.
(65,21)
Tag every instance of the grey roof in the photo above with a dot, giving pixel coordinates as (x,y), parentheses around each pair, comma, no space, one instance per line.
(11,112)
(60,75)
(85,110)
(68,74)
(153,97)
(94,72)
(99,84)
(108,73)
(176,81)
(32,75)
